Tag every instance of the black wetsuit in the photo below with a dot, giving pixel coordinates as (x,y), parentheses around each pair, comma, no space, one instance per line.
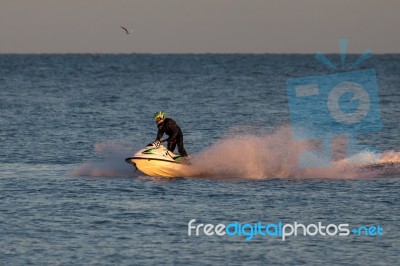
(175,136)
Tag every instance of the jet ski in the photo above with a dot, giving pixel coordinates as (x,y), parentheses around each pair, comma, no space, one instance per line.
(159,162)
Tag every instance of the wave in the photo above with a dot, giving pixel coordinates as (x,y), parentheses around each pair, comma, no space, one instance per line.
(249,156)
(276,155)
(111,162)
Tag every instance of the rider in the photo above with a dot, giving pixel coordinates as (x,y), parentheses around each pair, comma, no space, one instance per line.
(174,132)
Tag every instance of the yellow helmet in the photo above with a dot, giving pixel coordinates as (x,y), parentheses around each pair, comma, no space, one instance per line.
(159,117)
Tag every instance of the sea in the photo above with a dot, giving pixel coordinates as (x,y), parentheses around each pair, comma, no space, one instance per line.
(67,197)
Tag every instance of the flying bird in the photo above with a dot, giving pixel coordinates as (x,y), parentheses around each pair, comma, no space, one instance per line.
(127,31)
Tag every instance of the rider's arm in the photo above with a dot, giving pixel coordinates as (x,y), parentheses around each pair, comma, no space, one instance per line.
(160,133)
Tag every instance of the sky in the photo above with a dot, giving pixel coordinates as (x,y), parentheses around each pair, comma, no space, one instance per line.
(198,26)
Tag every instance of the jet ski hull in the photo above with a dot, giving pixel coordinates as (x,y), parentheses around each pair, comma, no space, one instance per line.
(159,162)
(158,167)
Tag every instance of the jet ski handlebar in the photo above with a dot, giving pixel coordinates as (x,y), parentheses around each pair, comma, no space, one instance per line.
(156,143)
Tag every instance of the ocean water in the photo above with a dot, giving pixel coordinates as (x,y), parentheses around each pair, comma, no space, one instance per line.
(67,196)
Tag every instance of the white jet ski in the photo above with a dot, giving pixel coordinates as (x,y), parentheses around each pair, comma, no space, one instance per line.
(158,161)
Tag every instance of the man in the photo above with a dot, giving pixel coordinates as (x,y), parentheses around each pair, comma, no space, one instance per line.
(174,132)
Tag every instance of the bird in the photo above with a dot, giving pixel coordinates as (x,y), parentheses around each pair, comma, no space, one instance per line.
(127,31)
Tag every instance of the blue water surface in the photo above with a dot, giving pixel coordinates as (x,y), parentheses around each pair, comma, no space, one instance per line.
(60,113)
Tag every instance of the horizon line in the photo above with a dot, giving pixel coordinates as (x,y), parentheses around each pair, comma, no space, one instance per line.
(186,53)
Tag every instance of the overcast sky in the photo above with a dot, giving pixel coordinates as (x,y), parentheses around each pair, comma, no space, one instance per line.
(198,26)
